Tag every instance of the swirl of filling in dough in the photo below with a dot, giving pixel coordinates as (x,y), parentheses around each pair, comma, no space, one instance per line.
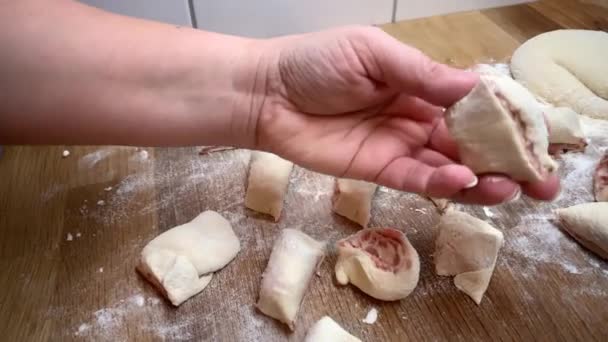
(566,68)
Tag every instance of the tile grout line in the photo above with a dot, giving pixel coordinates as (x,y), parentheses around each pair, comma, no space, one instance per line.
(394,15)
(192,14)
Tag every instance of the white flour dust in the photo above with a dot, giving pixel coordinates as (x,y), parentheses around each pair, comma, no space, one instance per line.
(109,323)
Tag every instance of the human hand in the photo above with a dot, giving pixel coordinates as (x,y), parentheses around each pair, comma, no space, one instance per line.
(355,102)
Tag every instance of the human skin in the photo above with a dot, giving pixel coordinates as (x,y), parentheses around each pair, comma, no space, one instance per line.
(349,102)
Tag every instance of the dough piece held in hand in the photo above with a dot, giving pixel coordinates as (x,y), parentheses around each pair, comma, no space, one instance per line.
(565,132)
(467,247)
(500,128)
(588,224)
(327,330)
(294,258)
(353,200)
(267,184)
(566,68)
(379,261)
(600,180)
(174,260)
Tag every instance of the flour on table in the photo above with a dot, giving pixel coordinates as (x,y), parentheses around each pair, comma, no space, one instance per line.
(371,316)
(488,212)
(91,159)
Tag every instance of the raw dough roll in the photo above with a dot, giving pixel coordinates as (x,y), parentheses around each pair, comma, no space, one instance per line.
(353,200)
(600,180)
(500,128)
(294,258)
(565,131)
(327,330)
(566,68)
(588,224)
(467,247)
(267,183)
(174,260)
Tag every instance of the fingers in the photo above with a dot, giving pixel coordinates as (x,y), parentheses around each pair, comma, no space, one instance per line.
(491,190)
(411,71)
(544,191)
(495,189)
(411,175)
(442,141)
(414,108)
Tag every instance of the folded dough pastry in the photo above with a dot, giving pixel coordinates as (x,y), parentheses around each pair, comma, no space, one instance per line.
(467,248)
(294,258)
(353,200)
(500,128)
(327,330)
(379,261)
(267,183)
(600,180)
(565,131)
(174,260)
(587,223)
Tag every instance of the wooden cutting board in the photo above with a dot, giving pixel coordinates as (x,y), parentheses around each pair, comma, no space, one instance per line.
(71,230)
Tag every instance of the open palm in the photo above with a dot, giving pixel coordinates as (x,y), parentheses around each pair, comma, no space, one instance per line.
(356,103)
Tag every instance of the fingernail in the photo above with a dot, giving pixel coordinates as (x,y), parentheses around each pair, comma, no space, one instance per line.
(494,179)
(515,197)
(473,183)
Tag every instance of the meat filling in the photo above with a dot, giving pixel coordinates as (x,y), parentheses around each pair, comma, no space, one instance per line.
(384,246)
(523,130)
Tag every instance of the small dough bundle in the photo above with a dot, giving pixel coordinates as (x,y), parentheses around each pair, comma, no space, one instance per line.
(600,180)
(588,224)
(294,258)
(467,247)
(174,260)
(267,184)
(327,330)
(379,261)
(353,200)
(565,132)
(499,128)
(566,68)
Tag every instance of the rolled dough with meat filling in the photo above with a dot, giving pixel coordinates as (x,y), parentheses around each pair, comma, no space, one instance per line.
(588,224)
(600,180)
(500,128)
(467,248)
(565,131)
(566,68)
(379,261)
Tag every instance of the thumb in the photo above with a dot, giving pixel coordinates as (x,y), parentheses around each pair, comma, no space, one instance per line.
(411,71)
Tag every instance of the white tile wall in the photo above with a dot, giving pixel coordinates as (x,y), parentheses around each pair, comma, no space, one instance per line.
(409,9)
(175,12)
(268,18)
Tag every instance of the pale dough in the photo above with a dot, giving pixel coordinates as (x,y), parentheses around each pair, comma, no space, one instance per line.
(588,224)
(500,128)
(566,68)
(267,183)
(174,260)
(467,247)
(381,262)
(294,258)
(327,330)
(600,180)
(353,200)
(565,131)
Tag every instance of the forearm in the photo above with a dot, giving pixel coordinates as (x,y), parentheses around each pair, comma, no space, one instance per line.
(76,75)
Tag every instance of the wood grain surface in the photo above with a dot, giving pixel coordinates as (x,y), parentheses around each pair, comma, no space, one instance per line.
(71,230)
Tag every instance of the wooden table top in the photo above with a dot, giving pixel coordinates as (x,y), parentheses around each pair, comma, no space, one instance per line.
(72,229)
